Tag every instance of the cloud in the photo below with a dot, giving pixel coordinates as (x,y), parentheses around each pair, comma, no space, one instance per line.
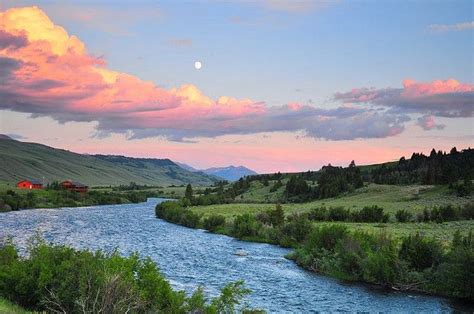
(443,28)
(428,123)
(294,6)
(115,20)
(51,74)
(8,40)
(448,98)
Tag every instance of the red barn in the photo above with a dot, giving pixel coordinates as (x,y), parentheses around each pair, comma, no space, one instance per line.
(30,184)
(74,186)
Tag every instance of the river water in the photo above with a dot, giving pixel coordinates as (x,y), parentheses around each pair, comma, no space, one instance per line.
(190,258)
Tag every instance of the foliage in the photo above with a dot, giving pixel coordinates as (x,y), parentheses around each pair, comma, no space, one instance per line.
(403,215)
(61,279)
(420,253)
(245,225)
(419,263)
(366,214)
(447,213)
(176,212)
(189,192)
(64,198)
(437,168)
(213,222)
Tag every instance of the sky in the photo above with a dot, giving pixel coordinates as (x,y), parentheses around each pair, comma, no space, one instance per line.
(284,85)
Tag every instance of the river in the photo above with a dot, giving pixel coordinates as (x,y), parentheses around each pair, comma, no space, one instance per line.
(190,257)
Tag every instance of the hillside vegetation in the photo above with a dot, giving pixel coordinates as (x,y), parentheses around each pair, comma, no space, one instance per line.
(21,160)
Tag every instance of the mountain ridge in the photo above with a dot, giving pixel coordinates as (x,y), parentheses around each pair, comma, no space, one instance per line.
(33,160)
(229,173)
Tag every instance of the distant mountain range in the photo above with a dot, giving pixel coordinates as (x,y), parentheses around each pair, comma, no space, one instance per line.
(21,160)
(230,173)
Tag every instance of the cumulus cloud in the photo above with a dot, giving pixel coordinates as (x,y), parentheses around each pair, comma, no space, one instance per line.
(428,123)
(448,98)
(442,28)
(47,72)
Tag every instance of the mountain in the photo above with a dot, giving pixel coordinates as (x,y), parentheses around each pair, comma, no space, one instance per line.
(230,173)
(186,167)
(19,160)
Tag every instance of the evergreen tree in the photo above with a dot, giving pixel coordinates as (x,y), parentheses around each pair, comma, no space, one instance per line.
(189,192)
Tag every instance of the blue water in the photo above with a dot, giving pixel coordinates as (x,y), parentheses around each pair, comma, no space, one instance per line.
(190,258)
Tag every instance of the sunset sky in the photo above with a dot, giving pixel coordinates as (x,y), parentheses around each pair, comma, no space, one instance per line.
(284,85)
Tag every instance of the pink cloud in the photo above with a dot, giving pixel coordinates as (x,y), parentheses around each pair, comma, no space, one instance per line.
(47,72)
(428,123)
(449,98)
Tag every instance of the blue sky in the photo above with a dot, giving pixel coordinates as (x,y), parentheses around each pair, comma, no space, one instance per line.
(250,50)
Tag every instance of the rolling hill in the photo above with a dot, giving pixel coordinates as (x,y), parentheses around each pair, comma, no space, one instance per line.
(19,160)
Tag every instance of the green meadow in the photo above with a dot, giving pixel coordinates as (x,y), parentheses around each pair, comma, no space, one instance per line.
(413,198)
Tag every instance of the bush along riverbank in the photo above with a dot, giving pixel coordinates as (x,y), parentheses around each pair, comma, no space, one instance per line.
(14,200)
(60,279)
(412,263)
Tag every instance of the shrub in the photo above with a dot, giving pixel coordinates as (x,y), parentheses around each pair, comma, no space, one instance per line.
(380,267)
(467,211)
(420,253)
(245,226)
(213,222)
(318,214)
(325,237)
(338,214)
(403,215)
(455,276)
(297,228)
(61,279)
(370,214)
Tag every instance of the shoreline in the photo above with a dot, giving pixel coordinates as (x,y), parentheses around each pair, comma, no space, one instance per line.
(392,288)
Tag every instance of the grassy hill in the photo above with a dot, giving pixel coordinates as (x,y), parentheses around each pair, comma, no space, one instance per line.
(21,160)
(413,198)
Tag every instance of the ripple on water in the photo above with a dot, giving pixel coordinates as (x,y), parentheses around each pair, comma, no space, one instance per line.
(190,258)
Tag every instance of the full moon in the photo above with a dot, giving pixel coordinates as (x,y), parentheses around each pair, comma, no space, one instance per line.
(197,65)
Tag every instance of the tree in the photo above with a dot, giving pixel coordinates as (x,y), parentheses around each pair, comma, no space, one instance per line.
(189,192)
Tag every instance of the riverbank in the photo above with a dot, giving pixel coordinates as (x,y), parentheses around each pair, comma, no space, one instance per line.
(189,258)
(16,199)
(409,263)
(99,282)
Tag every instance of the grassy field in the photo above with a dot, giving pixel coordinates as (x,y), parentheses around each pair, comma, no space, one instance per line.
(391,198)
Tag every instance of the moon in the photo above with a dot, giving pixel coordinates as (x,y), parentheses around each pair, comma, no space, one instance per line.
(198,65)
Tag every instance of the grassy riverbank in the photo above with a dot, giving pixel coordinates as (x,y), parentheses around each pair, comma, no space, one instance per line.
(365,245)
(60,279)
(14,199)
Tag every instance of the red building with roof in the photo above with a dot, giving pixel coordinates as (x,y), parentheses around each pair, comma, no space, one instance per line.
(30,184)
(74,186)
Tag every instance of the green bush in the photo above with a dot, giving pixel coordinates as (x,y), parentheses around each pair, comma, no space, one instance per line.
(213,222)
(325,237)
(338,214)
(61,279)
(403,215)
(370,214)
(175,212)
(296,228)
(420,253)
(245,225)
